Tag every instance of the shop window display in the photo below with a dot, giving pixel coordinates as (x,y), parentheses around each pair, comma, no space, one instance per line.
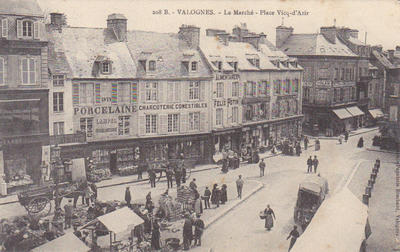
(16,173)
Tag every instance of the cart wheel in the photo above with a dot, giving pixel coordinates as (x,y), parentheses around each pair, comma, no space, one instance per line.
(39,205)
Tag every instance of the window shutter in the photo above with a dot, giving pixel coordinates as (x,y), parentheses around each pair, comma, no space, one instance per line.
(240,114)
(37,72)
(184,122)
(75,94)
(178,91)
(161,93)
(202,91)
(163,125)
(4,30)
(36,30)
(170,91)
(142,91)
(241,89)
(203,121)
(185,91)
(42,30)
(97,93)
(20,62)
(142,125)
(5,70)
(19,28)
(134,96)
(114,93)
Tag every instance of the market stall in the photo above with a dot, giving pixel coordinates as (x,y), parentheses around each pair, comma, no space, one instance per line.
(340,224)
(118,224)
(66,243)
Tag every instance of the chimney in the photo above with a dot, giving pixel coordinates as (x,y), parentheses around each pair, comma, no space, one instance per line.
(329,33)
(240,31)
(190,34)
(282,34)
(391,55)
(223,37)
(57,20)
(214,32)
(254,40)
(118,23)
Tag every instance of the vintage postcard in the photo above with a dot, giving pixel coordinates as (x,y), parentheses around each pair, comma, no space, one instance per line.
(208,126)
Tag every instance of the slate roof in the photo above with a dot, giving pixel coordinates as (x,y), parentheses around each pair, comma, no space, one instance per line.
(82,46)
(213,49)
(314,45)
(21,7)
(383,60)
(168,51)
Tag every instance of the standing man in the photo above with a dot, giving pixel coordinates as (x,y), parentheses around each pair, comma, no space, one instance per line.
(315,163)
(207,194)
(128,197)
(187,233)
(170,174)
(262,167)
(178,176)
(198,230)
(346,136)
(239,186)
(192,185)
(309,164)
(68,209)
(305,142)
(294,234)
(152,178)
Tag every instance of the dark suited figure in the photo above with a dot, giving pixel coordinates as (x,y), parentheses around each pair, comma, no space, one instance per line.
(207,195)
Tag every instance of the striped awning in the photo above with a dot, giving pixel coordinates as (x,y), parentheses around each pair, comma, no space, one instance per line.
(355,111)
(342,113)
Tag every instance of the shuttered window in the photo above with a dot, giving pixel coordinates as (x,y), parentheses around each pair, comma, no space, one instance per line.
(27,28)
(173,123)
(86,93)
(220,89)
(235,89)
(151,90)
(194,121)
(151,124)
(124,95)
(194,90)
(2,72)
(219,113)
(58,102)
(4,28)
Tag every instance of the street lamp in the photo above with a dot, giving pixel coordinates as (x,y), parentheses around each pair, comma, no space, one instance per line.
(58,172)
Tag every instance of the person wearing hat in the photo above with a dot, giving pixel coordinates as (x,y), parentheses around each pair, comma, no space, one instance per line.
(187,232)
(68,209)
(128,197)
(294,234)
(198,230)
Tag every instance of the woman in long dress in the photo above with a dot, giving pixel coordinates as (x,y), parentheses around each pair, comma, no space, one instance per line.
(215,195)
(155,236)
(269,218)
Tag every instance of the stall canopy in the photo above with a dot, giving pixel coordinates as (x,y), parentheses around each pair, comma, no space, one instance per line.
(339,225)
(120,220)
(342,113)
(355,111)
(66,243)
(376,113)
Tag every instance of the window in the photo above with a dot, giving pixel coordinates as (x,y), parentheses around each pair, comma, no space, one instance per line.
(194,66)
(58,102)
(58,80)
(219,63)
(152,65)
(28,71)
(342,76)
(151,124)
(87,126)
(219,116)
(341,94)
(235,66)
(173,122)
(27,29)
(151,91)
(261,88)
(254,88)
(123,125)
(58,128)
(4,28)
(235,89)
(249,89)
(173,91)
(335,95)
(277,86)
(124,92)
(86,93)
(235,115)
(2,72)
(194,121)
(194,90)
(220,89)
(106,67)
(353,93)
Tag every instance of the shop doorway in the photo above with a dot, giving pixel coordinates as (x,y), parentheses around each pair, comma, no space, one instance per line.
(113,163)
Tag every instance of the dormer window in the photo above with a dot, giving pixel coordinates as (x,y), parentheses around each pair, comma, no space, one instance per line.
(106,67)
(194,66)
(27,28)
(219,63)
(152,65)
(255,62)
(235,66)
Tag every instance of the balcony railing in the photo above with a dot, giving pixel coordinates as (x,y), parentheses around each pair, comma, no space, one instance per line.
(79,137)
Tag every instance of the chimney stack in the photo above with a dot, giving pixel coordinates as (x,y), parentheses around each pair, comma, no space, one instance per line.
(329,33)
(254,40)
(57,20)
(118,23)
(282,34)
(190,34)
(223,38)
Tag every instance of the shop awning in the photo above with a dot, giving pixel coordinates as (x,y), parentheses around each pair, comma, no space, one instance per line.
(342,113)
(66,243)
(120,220)
(340,224)
(376,113)
(355,111)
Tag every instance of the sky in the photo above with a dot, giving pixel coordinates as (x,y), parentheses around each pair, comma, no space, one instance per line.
(379,20)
